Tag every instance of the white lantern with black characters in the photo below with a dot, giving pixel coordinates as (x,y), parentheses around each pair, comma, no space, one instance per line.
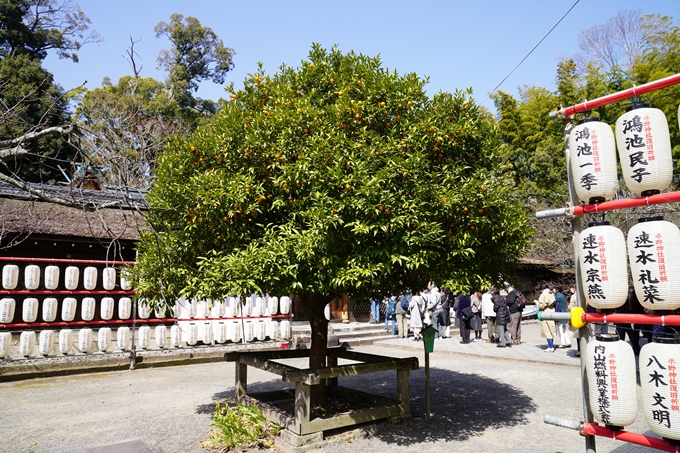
(644,144)
(612,382)
(604,273)
(592,150)
(659,363)
(654,256)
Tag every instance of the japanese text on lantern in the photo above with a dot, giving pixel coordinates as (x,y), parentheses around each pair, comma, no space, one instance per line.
(648,137)
(584,148)
(661,257)
(673,384)
(613,377)
(600,367)
(643,244)
(638,145)
(596,151)
(593,275)
(661,413)
(603,259)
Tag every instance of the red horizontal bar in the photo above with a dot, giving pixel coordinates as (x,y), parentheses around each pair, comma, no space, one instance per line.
(591,429)
(622,95)
(54,260)
(632,318)
(661,198)
(40,292)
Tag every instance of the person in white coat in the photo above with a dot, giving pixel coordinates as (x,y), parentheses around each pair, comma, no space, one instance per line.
(416,308)
(490,316)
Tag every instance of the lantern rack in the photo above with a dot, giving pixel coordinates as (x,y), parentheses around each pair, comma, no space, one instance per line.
(65,261)
(578,319)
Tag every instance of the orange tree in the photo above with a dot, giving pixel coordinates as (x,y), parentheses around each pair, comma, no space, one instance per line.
(339,176)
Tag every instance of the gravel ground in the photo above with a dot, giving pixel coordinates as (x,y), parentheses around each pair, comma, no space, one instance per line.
(478,404)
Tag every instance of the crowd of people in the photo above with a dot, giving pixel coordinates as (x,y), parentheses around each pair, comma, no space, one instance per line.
(501,310)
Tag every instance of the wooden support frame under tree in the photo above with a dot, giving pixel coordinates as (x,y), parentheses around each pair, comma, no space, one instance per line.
(301,422)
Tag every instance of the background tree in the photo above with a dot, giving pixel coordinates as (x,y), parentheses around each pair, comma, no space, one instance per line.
(197,54)
(336,177)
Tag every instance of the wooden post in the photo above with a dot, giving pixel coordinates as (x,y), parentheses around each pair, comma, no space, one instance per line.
(403,390)
(241,383)
(331,362)
(427,385)
(302,403)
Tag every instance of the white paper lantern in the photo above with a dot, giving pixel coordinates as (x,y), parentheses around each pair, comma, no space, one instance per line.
(160,332)
(144,333)
(272,305)
(32,277)
(187,309)
(258,307)
(192,333)
(5,344)
(604,272)
(51,277)
(85,340)
(202,309)
(106,309)
(90,278)
(284,305)
(327,311)
(644,144)
(592,150)
(273,330)
(7,307)
(125,280)
(260,330)
(205,332)
(247,306)
(220,331)
(29,311)
(10,276)
(104,339)
(65,341)
(27,343)
(124,308)
(46,342)
(68,309)
(231,307)
(659,363)
(234,331)
(109,278)
(159,311)
(248,331)
(284,329)
(612,383)
(217,310)
(87,309)
(123,338)
(49,309)
(175,336)
(71,276)
(143,309)
(654,256)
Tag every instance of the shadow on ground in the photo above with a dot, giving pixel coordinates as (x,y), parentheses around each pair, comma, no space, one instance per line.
(461,404)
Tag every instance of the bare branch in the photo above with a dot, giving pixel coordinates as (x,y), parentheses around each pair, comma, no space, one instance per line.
(30,136)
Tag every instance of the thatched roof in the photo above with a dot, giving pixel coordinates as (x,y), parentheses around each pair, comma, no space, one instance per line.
(24,214)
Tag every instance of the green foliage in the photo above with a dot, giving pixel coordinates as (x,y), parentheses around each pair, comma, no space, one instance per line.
(240,428)
(197,54)
(339,176)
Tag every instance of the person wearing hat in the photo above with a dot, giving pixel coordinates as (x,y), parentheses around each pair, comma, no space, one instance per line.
(500,306)
(546,303)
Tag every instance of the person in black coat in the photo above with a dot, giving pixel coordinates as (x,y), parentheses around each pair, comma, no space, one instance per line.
(463,313)
(500,306)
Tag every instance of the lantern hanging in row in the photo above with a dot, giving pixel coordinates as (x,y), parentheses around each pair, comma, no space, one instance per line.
(604,270)
(612,382)
(659,362)
(654,256)
(644,144)
(592,150)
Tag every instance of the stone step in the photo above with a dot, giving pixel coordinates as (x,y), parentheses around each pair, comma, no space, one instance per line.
(366,341)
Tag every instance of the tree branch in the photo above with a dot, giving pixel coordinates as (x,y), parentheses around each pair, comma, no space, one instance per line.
(30,136)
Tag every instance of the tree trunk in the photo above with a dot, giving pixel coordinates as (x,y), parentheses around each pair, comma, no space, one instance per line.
(315,304)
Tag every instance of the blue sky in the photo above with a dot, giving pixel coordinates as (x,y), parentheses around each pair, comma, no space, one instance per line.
(458,44)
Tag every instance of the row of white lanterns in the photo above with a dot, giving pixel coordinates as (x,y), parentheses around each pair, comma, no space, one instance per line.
(612,383)
(229,308)
(32,280)
(218,331)
(653,252)
(644,149)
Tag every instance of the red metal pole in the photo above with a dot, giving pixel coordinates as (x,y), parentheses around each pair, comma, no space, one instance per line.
(616,97)
(632,318)
(612,205)
(625,436)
